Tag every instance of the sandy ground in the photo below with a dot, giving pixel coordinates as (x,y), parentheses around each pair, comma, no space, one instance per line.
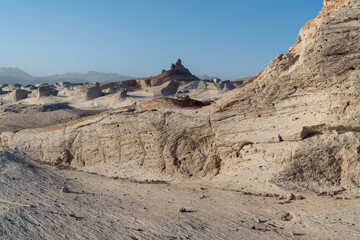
(17,117)
(39,201)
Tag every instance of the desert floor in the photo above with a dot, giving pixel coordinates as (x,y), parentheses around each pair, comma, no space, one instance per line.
(39,201)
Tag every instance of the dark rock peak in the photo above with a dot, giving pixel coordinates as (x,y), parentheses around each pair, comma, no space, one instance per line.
(177,69)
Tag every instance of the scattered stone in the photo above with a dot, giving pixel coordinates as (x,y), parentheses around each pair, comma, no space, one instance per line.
(182,210)
(300,197)
(294,234)
(72,216)
(290,197)
(65,190)
(248,193)
(260,221)
(288,217)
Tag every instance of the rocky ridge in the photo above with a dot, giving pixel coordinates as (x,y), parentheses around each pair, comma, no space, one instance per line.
(307,99)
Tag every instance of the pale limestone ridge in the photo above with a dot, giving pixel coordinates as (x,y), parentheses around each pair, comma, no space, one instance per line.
(306,100)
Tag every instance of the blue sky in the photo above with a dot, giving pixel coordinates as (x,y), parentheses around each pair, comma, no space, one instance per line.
(224,38)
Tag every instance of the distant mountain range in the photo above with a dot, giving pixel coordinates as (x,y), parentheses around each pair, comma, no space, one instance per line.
(16,75)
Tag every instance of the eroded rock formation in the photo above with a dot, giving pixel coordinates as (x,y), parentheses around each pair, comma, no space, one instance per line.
(18,94)
(309,95)
(46,91)
(297,120)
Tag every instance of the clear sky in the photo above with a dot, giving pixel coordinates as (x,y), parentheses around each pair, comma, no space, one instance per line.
(224,38)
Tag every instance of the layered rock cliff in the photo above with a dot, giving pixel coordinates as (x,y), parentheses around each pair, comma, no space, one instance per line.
(308,97)
(298,120)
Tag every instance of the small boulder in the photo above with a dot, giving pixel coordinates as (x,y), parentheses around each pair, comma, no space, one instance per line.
(182,210)
(65,190)
(123,93)
(288,217)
